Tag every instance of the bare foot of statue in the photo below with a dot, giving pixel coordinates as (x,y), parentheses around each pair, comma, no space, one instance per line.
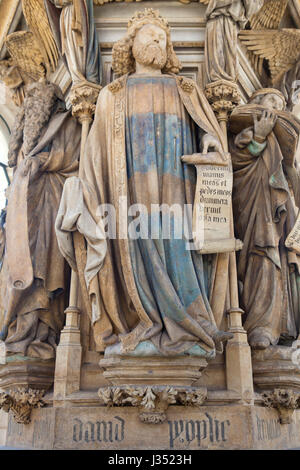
(221,337)
(259,341)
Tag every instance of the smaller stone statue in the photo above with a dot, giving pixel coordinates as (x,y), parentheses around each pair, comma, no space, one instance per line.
(263,146)
(44,151)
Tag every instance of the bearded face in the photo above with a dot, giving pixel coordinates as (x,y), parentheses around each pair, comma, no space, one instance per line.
(149,46)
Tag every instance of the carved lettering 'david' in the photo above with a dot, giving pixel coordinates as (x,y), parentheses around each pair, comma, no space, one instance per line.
(99,431)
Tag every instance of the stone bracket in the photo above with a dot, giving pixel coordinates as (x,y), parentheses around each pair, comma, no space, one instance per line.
(223,96)
(83,98)
(21,402)
(152,401)
(284,401)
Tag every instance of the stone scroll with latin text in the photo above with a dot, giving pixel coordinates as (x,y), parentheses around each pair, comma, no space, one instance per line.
(212,212)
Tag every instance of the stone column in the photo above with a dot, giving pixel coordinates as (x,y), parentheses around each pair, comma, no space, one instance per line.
(83,98)
(223,97)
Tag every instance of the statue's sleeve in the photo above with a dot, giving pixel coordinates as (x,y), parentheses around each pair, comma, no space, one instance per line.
(245,144)
(244,138)
(73,215)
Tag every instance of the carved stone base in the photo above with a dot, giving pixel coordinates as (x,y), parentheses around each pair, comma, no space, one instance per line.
(21,402)
(19,371)
(284,401)
(223,96)
(276,367)
(154,401)
(86,425)
(23,382)
(152,383)
(179,370)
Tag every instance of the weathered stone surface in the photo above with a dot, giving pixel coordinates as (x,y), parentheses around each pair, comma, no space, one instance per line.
(153,370)
(223,412)
(274,368)
(26,372)
(215,427)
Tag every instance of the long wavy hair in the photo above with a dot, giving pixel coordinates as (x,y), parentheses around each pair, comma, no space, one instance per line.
(122,58)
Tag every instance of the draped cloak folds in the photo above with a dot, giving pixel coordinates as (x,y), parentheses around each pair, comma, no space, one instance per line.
(224,18)
(34,274)
(264,215)
(72,24)
(148,288)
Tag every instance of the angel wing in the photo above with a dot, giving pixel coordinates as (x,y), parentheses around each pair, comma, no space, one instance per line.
(25,65)
(25,52)
(280,47)
(37,20)
(270,15)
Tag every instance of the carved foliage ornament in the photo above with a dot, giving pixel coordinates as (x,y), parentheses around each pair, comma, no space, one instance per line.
(285,401)
(83,98)
(152,401)
(21,402)
(223,96)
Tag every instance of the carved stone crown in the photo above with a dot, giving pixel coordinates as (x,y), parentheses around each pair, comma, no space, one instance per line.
(149,15)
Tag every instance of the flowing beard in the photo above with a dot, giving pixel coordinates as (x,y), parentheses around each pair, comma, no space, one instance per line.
(149,54)
(38,109)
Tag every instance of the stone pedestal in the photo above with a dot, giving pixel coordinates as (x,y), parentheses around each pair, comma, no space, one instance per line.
(230,427)
(23,383)
(276,367)
(22,372)
(152,384)
(155,370)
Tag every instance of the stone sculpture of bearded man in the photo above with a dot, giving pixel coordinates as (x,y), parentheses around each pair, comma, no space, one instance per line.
(150,295)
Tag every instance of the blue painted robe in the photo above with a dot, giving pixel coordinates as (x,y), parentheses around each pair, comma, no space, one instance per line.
(172,281)
(148,289)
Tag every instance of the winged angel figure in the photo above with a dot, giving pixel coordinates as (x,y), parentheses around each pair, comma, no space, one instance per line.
(56,28)
(280,47)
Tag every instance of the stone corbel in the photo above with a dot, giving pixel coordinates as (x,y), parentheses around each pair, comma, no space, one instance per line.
(152,401)
(285,401)
(223,97)
(21,402)
(83,98)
